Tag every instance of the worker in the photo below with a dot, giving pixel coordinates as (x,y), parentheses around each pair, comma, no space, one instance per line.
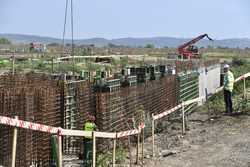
(228,89)
(88,141)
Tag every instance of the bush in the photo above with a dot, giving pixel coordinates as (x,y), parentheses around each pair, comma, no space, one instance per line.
(105,159)
(150,46)
(238,62)
(4,41)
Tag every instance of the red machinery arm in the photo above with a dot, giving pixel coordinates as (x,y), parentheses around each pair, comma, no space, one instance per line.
(193,41)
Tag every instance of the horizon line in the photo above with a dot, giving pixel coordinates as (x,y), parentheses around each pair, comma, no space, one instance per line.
(148,37)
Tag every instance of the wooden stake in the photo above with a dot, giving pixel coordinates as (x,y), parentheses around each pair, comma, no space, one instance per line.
(60,150)
(183,118)
(13,157)
(142,147)
(244,81)
(94,150)
(137,148)
(130,153)
(153,136)
(114,150)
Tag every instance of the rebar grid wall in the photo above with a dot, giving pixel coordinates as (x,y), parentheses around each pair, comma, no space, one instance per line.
(34,98)
(70,115)
(86,102)
(188,88)
(79,103)
(116,111)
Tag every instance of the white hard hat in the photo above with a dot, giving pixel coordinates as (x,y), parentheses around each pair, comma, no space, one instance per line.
(226,66)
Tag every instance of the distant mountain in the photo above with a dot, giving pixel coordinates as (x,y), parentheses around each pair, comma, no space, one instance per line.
(132,42)
(19,38)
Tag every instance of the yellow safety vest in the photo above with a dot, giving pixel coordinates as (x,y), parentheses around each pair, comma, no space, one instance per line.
(89,126)
(229,81)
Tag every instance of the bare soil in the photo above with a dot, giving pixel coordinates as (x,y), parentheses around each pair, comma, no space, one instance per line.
(223,141)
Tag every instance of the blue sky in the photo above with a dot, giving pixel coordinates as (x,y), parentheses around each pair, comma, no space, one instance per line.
(128,18)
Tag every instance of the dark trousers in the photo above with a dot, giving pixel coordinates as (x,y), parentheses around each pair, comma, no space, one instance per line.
(87,153)
(228,101)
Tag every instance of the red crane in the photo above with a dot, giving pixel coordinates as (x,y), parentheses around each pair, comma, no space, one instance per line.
(188,50)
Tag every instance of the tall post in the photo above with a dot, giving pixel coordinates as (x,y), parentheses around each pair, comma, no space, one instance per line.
(114,151)
(137,148)
(183,118)
(244,82)
(142,147)
(60,150)
(153,136)
(13,64)
(52,65)
(94,150)
(72,36)
(13,156)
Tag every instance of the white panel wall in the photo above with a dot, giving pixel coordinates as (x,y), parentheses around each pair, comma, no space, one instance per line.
(209,79)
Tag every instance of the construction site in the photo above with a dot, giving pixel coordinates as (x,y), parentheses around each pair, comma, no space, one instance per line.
(152,107)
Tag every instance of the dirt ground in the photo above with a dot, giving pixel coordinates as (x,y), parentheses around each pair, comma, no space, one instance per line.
(223,141)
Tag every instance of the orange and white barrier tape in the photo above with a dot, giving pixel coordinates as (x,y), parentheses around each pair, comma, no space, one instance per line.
(155,117)
(65,132)
(141,126)
(167,112)
(131,132)
(127,133)
(193,100)
(28,125)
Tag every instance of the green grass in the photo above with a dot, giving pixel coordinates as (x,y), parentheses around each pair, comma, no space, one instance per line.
(105,159)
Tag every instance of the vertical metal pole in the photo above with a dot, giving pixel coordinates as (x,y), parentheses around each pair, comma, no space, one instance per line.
(72,36)
(14,142)
(114,151)
(153,136)
(94,150)
(60,150)
(183,118)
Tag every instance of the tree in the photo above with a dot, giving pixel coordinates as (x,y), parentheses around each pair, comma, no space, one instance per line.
(151,46)
(53,44)
(124,61)
(4,41)
(111,45)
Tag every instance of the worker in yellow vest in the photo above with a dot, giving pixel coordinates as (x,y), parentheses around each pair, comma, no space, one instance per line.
(88,141)
(228,89)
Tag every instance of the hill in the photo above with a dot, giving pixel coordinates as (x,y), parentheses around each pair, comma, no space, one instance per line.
(132,42)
